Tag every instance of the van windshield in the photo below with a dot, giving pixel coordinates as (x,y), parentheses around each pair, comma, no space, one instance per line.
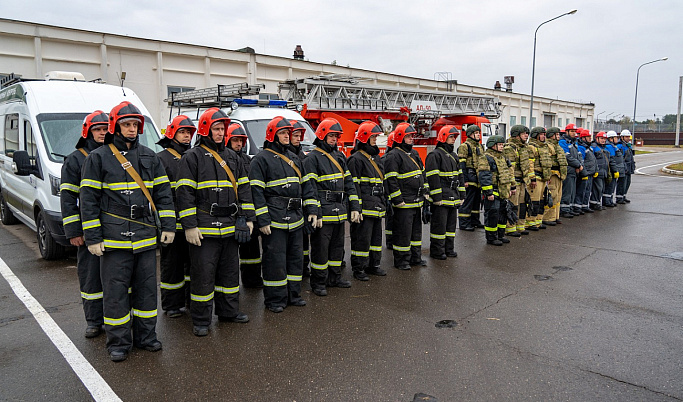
(256,130)
(61,131)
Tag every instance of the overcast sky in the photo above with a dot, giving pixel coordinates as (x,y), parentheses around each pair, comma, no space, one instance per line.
(591,56)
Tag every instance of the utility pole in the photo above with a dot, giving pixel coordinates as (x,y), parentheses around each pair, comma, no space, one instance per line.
(678,115)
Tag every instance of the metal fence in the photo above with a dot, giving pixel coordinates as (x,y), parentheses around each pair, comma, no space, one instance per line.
(639,128)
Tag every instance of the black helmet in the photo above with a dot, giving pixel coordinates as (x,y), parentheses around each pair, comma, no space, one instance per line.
(495,139)
(536,131)
(518,129)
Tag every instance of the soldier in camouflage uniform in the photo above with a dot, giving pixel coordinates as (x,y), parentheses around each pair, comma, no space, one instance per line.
(498,185)
(469,153)
(517,151)
(539,155)
(558,172)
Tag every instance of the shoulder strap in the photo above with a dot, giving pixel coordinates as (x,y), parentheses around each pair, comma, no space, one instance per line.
(225,167)
(174,152)
(448,154)
(334,161)
(287,161)
(83,151)
(373,163)
(411,159)
(128,167)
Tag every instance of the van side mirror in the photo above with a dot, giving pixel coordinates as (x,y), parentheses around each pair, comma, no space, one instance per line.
(21,163)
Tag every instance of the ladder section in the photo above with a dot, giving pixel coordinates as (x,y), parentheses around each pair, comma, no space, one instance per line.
(218,96)
(348,93)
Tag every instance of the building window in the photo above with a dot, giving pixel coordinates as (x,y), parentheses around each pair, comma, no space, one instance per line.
(513,120)
(524,120)
(533,122)
(175,90)
(559,121)
(588,125)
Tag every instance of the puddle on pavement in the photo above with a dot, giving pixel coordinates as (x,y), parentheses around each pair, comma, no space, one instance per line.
(446,324)
(543,277)
(562,268)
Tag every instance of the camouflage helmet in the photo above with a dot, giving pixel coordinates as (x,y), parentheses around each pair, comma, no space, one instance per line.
(472,128)
(536,131)
(495,139)
(518,129)
(552,131)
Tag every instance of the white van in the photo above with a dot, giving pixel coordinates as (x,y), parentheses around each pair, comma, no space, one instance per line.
(40,123)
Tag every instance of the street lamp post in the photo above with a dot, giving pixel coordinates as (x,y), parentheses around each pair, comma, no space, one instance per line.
(635,100)
(533,65)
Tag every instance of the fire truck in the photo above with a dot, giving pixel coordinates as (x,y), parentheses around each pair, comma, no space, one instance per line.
(351,101)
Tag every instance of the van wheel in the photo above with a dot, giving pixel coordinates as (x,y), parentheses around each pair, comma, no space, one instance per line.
(49,248)
(6,215)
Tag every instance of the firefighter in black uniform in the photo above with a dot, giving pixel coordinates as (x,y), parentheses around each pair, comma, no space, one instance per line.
(446,189)
(281,197)
(326,168)
(298,131)
(367,172)
(389,219)
(469,153)
(250,252)
(216,211)
(175,260)
(407,188)
(88,265)
(119,225)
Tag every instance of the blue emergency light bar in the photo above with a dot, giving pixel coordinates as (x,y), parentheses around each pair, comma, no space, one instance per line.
(261,102)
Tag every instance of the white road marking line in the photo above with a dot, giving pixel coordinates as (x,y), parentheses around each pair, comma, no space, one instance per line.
(638,171)
(99,389)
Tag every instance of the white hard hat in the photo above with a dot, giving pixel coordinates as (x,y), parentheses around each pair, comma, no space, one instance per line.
(625,133)
(611,133)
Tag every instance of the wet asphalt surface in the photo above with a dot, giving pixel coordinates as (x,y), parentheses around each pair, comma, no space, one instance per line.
(588,310)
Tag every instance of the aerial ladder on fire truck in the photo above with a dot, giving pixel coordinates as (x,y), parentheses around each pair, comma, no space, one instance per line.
(350,100)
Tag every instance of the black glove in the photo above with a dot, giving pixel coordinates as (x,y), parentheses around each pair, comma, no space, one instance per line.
(426,213)
(550,202)
(529,204)
(511,212)
(242,234)
(308,227)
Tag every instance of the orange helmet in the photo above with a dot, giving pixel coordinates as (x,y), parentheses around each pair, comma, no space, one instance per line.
(297,126)
(95,118)
(601,134)
(447,131)
(402,130)
(390,140)
(210,116)
(235,130)
(327,126)
(367,129)
(125,110)
(570,126)
(278,123)
(584,133)
(178,122)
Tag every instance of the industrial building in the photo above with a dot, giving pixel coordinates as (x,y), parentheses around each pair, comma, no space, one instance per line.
(154,69)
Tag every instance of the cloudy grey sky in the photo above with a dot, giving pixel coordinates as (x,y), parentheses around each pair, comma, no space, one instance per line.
(591,56)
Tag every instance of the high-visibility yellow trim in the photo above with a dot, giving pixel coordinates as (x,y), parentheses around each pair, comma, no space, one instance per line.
(225,290)
(358,253)
(294,278)
(91,296)
(275,283)
(375,248)
(91,183)
(91,224)
(70,187)
(201,298)
(71,219)
(144,314)
(172,286)
(117,321)
(187,212)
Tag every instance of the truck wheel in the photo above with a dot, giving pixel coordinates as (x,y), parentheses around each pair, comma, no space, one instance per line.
(5,214)
(49,248)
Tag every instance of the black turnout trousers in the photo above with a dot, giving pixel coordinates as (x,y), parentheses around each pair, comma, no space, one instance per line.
(129,319)
(366,244)
(469,209)
(174,265)
(88,267)
(282,266)
(442,229)
(215,280)
(327,253)
(407,235)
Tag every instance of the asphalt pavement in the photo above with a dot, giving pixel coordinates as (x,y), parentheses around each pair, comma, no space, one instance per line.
(588,310)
